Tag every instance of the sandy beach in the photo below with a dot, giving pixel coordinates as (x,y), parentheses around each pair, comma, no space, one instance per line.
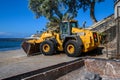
(16,62)
(11,56)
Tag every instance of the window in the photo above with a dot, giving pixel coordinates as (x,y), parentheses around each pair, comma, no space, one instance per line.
(65,28)
(73,24)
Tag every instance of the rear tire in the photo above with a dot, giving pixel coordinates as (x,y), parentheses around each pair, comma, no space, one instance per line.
(47,48)
(72,49)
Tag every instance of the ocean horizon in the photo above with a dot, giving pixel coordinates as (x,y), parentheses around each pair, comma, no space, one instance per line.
(7,44)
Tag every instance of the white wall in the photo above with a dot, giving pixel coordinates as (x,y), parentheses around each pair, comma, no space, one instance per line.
(117,8)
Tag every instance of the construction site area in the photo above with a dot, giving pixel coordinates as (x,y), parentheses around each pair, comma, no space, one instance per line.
(80,54)
(57,67)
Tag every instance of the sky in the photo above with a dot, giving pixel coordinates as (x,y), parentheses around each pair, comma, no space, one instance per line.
(18,21)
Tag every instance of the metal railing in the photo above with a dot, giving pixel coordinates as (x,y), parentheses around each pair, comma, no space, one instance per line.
(104,25)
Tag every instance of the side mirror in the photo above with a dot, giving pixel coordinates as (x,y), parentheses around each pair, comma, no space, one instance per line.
(41,31)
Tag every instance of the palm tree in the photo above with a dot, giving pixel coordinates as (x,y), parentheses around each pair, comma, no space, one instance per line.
(55,21)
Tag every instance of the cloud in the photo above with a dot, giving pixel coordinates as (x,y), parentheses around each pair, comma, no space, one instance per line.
(13,35)
(4,33)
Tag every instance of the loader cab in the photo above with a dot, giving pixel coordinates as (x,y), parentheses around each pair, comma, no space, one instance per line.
(66,28)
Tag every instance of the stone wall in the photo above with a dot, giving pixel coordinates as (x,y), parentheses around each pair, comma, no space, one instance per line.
(107,68)
(111,38)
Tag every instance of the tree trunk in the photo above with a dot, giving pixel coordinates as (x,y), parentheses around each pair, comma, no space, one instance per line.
(92,11)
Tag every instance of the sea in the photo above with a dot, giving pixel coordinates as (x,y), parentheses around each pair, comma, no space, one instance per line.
(10,43)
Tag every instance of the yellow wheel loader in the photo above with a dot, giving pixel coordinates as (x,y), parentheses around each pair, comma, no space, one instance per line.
(71,39)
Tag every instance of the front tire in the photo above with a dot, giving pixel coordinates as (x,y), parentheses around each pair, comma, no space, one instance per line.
(72,49)
(47,48)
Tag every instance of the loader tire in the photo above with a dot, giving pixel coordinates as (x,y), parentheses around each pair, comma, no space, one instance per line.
(72,49)
(47,48)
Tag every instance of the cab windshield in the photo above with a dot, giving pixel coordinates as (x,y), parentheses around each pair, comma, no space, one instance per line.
(73,24)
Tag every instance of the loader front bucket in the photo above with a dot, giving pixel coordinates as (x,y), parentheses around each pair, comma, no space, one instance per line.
(30,49)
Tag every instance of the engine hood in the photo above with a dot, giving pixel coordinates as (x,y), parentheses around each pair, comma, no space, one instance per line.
(77,30)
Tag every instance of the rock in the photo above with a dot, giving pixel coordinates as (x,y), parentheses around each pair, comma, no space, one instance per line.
(92,76)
